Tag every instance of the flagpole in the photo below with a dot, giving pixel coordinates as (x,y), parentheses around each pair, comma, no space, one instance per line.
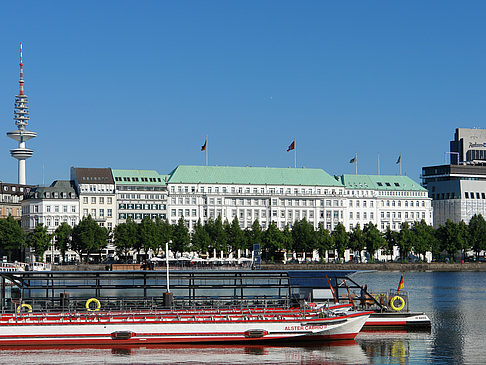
(356,163)
(378,163)
(206,149)
(400,164)
(295,155)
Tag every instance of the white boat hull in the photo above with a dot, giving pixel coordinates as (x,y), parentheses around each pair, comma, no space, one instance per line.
(107,329)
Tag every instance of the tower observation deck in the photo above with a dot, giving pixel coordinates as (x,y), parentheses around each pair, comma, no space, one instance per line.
(21,117)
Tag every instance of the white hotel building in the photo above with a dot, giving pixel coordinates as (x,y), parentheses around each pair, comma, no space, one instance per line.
(284,195)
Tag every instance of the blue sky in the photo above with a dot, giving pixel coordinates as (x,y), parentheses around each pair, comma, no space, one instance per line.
(138,85)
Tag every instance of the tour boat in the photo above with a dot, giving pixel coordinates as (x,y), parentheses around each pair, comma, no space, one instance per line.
(389,320)
(178,326)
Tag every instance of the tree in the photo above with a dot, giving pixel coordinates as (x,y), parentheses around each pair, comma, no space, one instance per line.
(217,234)
(477,234)
(125,235)
(340,239)
(147,233)
(62,236)
(180,237)
(255,234)
(12,236)
(163,232)
(450,238)
(272,242)
(324,241)
(287,238)
(391,240)
(88,237)
(357,241)
(373,239)
(303,236)
(236,236)
(405,241)
(39,240)
(422,238)
(200,238)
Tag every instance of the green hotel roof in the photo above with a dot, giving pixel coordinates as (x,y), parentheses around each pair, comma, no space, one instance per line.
(135,177)
(380,182)
(251,175)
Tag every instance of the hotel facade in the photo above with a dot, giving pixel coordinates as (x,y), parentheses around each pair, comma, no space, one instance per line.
(279,195)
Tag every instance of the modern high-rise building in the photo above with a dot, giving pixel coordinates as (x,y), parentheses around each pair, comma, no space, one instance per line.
(21,135)
(458,189)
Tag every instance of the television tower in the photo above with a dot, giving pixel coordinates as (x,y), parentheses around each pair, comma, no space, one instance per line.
(21,117)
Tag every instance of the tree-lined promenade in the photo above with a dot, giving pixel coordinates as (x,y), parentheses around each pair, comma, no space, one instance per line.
(88,238)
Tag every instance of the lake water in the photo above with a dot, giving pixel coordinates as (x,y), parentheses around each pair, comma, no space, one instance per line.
(455,302)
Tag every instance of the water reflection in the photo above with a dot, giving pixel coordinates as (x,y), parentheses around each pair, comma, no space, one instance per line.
(342,352)
(455,302)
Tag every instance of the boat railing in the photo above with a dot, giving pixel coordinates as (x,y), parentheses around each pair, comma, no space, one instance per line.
(80,304)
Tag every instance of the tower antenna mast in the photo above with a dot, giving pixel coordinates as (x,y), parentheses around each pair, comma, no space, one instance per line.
(21,117)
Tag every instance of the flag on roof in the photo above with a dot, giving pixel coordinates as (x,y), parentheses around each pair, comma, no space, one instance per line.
(292,146)
(354,159)
(399,159)
(203,147)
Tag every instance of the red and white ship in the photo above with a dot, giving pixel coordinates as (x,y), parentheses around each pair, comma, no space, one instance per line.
(181,326)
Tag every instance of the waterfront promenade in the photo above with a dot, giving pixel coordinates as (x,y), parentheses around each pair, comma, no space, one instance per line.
(390,266)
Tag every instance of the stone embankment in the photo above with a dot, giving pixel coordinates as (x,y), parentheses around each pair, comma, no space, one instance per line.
(386,266)
(391,266)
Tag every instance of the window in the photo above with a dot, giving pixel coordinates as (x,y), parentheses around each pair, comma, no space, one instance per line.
(65,208)
(102,213)
(85,200)
(85,212)
(109,213)
(93,200)
(93,213)
(73,209)
(102,200)
(48,209)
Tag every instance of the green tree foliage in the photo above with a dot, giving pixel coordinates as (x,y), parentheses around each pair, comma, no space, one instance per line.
(88,237)
(272,242)
(405,241)
(200,238)
(391,240)
(236,236)
(256,234)
(62,236)
(324,241)
(423,237)
(126,237)
(357,241)
(340,239)
(180,237)
(147,232)
(39,241)
(477,234)
(12,236)
(287,238)
(450,237)
(163,231)
(373,239)
(217,234)
(304,238)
